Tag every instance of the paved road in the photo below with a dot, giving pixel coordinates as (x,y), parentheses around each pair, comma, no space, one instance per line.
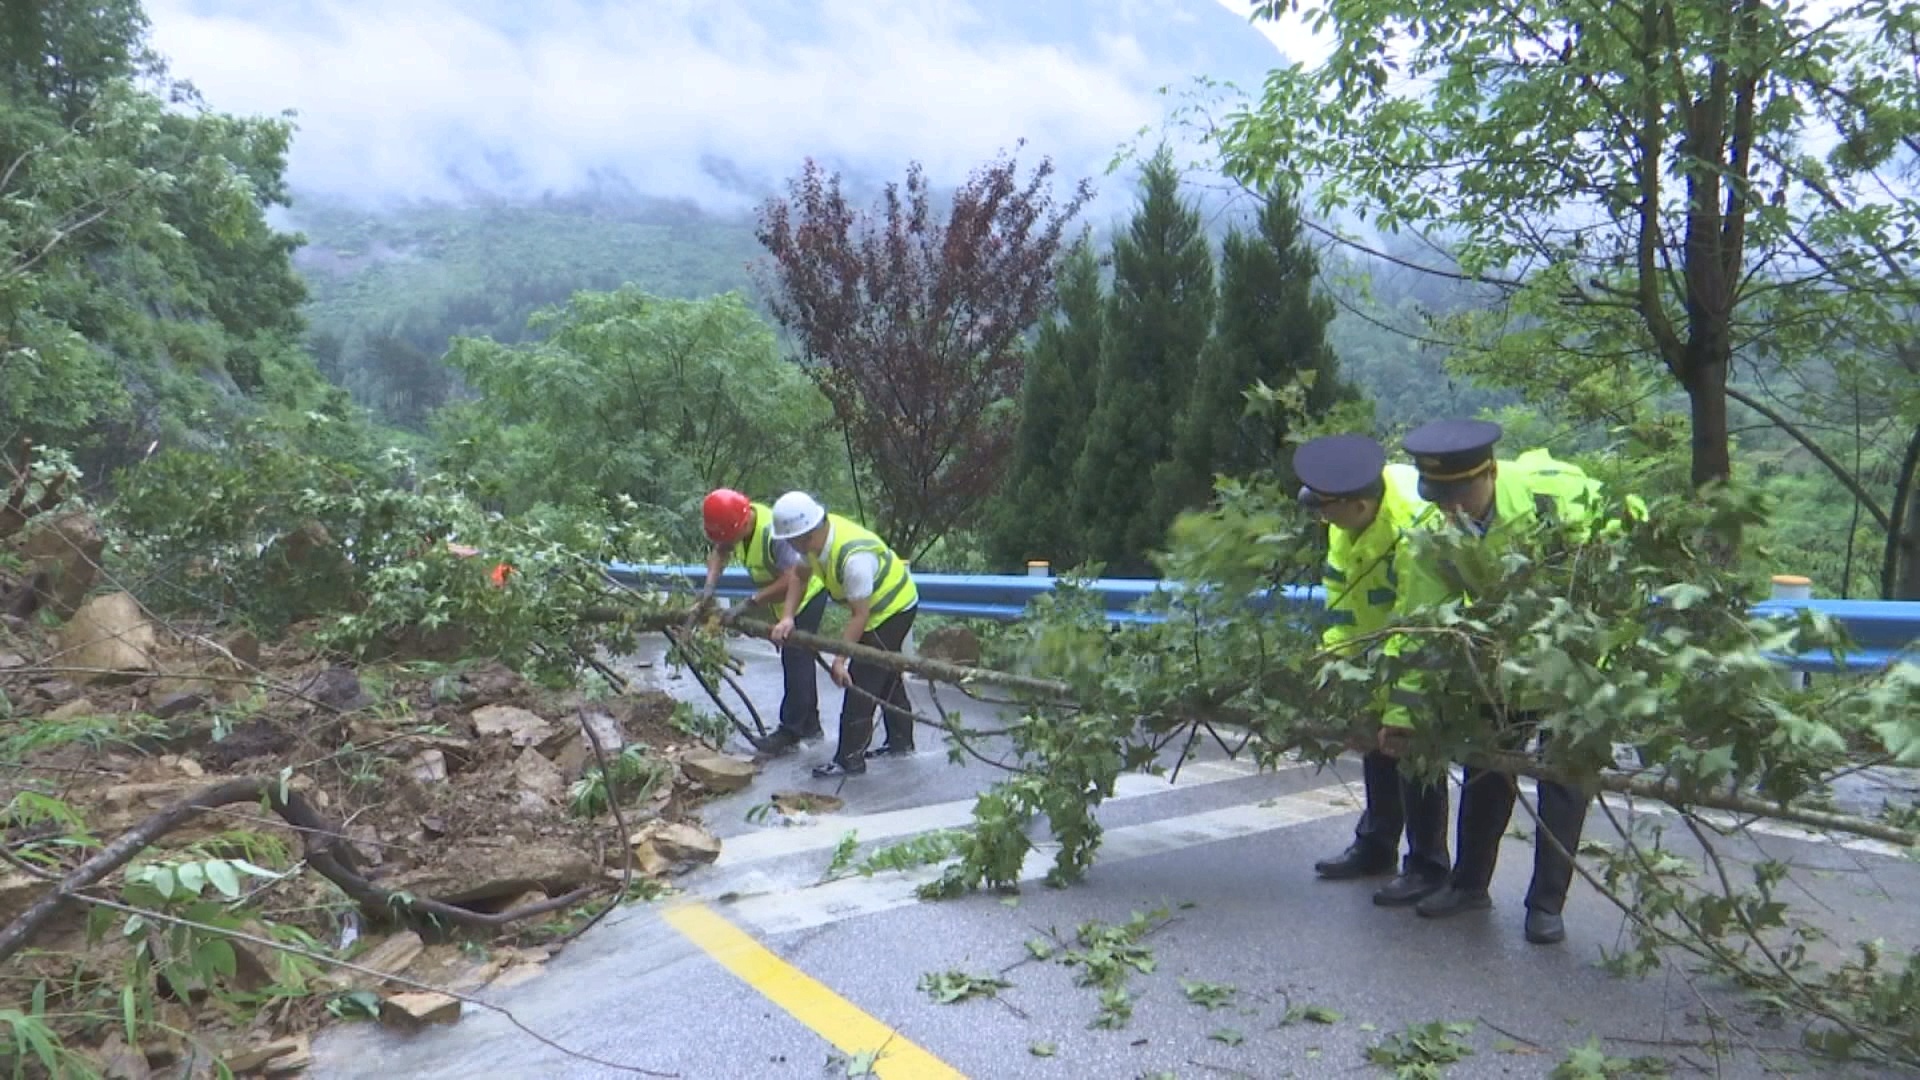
(764,970)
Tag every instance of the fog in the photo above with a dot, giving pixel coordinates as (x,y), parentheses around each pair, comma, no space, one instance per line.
(710,100)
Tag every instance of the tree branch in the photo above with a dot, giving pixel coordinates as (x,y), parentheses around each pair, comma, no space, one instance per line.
(324,853)
(1840,472)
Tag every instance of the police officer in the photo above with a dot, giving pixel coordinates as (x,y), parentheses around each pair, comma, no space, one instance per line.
(1497,502)
(859,570)
(1367,503)
(741,529)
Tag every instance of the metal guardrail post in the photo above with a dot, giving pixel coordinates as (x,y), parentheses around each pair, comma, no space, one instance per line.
(1793,587)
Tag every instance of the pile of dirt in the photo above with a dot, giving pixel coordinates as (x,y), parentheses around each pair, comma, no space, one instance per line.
(464,784)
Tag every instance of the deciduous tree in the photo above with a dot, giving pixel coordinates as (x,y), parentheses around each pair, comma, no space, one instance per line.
(1687,183)
(911,321)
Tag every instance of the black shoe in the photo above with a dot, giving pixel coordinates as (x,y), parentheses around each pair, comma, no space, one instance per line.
(813,733)
(1451,901)
(1408,888)
(890,751)
(1356,862)
(780,742)
(833,770)
(1545,927)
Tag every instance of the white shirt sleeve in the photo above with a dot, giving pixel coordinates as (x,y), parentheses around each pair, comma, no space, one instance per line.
(862,567)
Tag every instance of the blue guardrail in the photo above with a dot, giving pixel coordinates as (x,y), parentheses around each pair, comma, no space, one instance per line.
(1882,630)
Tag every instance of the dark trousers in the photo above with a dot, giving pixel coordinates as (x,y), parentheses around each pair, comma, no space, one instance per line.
(1486,807)
(800,706)
(1396,804)
(880,684)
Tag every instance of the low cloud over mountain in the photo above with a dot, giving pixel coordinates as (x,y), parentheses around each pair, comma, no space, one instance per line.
(714,100)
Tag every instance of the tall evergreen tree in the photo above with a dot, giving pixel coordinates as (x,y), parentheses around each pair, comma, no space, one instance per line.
(1032,518)
(1157,320)
(1272,328)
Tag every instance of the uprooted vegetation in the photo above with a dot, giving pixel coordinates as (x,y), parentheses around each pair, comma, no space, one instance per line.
(223,828)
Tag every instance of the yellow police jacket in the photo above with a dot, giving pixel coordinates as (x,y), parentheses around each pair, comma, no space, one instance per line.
(1362,575)
(1528,489)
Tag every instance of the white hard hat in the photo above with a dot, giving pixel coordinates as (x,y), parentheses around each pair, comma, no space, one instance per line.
(795,514)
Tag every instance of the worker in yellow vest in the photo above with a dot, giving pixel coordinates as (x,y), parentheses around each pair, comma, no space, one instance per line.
(742,530)
(859,570)
(1346,481)
(1500,503)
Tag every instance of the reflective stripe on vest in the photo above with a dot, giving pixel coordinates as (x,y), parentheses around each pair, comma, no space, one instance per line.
(893,588)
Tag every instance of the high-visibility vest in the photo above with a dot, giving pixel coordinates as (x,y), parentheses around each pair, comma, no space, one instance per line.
(1527,490)
(893,589)
(755,552)
(1361,579)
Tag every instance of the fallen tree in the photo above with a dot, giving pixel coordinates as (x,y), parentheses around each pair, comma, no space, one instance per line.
(1044,692)
(326,851)
(1624,638)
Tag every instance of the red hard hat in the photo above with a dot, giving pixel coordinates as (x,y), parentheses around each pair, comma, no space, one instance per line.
(726,514)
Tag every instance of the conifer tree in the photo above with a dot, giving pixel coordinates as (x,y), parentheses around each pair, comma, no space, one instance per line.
(1157,320)
(1032,517)
(1272,327)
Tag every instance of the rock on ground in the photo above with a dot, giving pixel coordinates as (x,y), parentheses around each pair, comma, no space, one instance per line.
(109,634)
(411,1011)
(67,548)
(484,871)
(523,727)
(717,771)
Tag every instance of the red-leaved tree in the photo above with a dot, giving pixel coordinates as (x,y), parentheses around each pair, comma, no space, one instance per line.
(913,326)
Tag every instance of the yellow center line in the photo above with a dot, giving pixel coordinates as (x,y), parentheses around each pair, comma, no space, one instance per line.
(806,999)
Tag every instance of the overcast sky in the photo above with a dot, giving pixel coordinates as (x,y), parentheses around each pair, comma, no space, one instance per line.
(411,98)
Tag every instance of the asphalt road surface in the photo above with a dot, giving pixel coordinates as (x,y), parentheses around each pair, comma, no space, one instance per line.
(762,968)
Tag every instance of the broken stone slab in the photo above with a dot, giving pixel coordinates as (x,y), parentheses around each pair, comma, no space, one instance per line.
(11,660)
(18,891)
(71,710)
(66,548)
(500,870)
(337,688)
(169,685)
(428,767)
(110,636)
(524,728)
(244,646)
(254,1057)
(514,975)
(367,844)
(410,1012)
(718,772)
(296,1060)
(539,777)
(663,844)
(391,956)
(56,690)
(180,703)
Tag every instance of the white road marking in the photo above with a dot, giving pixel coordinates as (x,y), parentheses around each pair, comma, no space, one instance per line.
(802,909)
(824,833)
